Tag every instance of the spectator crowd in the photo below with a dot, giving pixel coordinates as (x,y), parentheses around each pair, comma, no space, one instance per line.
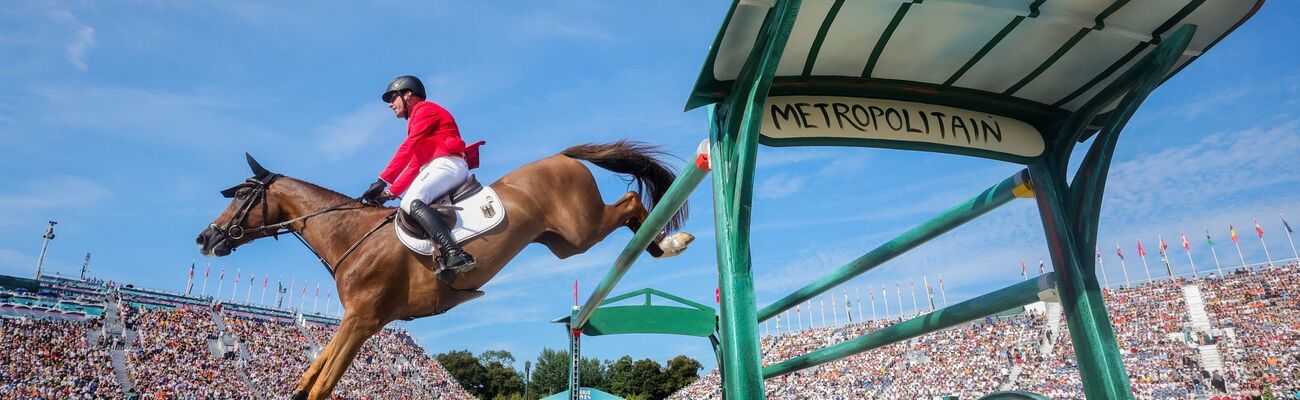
(54,359)
(1255,325)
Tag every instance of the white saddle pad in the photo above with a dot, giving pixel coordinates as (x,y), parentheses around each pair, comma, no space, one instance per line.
(479,213)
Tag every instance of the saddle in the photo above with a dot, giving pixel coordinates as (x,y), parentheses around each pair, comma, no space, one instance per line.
(444,206)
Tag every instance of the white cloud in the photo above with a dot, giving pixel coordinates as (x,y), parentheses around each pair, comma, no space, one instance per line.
(51,193)
(780,185)
(83,38)
(343,135)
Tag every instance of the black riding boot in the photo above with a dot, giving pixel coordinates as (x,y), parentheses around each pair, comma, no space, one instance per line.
(454,259)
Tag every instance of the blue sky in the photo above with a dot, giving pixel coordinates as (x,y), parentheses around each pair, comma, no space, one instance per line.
(123,122)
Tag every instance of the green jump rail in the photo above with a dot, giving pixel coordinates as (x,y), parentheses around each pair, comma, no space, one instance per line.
(1042,288)
(686,182)
(1002,193)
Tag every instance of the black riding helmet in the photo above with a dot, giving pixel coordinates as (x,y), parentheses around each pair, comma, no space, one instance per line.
(404,82)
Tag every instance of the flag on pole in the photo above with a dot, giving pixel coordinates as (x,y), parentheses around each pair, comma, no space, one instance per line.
(1024,273)
(1208,239)
(1233,232)
(1259,229)
(1141,251)
(1186,245)
(1041,269)
(1294,252)
(575,292)
(1119,252)
(189,284)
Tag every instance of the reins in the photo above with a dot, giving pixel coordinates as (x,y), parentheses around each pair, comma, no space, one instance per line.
(235,230)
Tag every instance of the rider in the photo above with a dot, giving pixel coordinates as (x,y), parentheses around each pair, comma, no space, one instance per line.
(429,164)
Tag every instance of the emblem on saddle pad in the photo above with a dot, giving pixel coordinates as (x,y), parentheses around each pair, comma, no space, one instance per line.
(468,224)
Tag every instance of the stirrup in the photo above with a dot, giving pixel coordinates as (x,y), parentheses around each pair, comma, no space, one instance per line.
(449,274)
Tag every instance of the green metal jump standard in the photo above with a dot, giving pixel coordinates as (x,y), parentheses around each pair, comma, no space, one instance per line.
(1018,81)
(1021,81)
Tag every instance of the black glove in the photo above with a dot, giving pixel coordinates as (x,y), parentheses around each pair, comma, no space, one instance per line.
(372,194)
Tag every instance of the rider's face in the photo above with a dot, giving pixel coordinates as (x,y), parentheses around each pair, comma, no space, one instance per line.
(398,105)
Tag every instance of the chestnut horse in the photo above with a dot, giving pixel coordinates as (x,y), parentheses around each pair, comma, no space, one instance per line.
(553,201)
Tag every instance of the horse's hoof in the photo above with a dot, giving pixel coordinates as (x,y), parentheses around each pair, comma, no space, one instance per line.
(675,244)
(299,395)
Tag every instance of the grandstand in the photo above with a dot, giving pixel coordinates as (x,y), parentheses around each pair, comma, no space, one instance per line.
(1232,336)
(1219,337)
(70,338)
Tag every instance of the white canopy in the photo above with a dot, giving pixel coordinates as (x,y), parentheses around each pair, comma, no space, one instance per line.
(1056,54)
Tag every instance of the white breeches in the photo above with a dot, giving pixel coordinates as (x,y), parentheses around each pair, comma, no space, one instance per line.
(436,179)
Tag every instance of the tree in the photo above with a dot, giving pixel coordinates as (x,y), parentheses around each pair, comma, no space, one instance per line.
(618,377)
(550,372)
(501,379)
(592,373)
(467,370)
(681,371)
(647,375)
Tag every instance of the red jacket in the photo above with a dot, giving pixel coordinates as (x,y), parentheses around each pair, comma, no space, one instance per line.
(430,133)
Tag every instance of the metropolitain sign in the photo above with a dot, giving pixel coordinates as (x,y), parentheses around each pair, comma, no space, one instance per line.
(811,117)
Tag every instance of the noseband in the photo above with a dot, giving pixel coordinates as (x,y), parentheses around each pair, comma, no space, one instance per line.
(234,229)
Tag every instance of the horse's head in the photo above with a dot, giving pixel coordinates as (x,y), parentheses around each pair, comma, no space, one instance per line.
(248,217)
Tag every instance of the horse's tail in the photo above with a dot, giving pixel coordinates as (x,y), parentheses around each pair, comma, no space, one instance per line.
(642,162)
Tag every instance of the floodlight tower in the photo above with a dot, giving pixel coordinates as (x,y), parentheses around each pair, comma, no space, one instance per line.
(85,265)
(45,246)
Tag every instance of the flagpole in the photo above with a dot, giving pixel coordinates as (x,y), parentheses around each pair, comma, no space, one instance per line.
(834,312)
(943,292)
(929,292)
(898,292)
(915,310)
(1024,272)
(1217,267)
(848,308)
(823,307)
(1123,266)
(189,283)
(871,295)
(1164,256)
(1102,266)
(234,289)
(1237,242)
(1188,246)
(221,282)
(248,292)
(808,305)
(1288,236)
(884,294)
(206,271)
(1261,242)
(1142,253)
(857,291)
(265,279)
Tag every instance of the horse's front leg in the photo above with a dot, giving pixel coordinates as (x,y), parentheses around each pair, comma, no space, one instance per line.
(352,333)
(313,371)
(630,212)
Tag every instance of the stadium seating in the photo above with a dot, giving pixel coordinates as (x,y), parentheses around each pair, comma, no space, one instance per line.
(1256,314)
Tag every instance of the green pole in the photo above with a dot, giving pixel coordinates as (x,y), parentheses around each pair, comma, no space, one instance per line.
(1070,213)
(1016,295)
(734,147)
(677,194)
(991,198)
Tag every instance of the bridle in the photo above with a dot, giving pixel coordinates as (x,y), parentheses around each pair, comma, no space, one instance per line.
(234,229)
